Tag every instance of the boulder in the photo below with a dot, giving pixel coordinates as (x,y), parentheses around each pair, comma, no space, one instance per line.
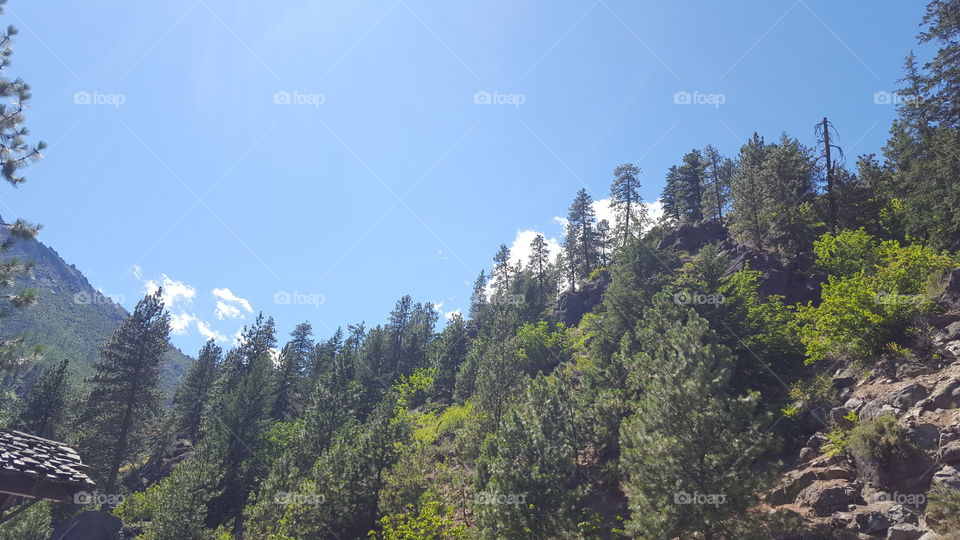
(946,395)
(947,476)
(876,409)
(854,404)
(951,294)
(788,491)
(926,436)
(825,499)
(691,237)
(815,417)
(908,396)
(816,441)
(838,417)
(904,531)
(807,454)
(873,522)
(571,306)
(844,378)
(836,472)
(950,454)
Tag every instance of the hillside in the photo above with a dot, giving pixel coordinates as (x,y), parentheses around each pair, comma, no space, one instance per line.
(70,320)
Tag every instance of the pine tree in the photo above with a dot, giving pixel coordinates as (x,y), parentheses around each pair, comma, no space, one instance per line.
(478,298)
(41,412)
(449,352)
(501,270)
(943,28)
(691,180)
(750,194)
(294,361)
(15,154)
(540,261)
(604,242)
(625,200)
(690,446)
(124,390)
(240,415)
(718,171)
(671,196)
(581,242)
(193,395)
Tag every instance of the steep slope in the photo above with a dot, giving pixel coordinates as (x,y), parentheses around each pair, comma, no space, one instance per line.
(71,320)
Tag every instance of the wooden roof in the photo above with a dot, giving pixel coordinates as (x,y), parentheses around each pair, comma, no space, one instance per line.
(38,468)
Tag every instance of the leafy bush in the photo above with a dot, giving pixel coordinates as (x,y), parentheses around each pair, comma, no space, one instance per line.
(543,346)
(429,521)
(943,509)
(880,439)
(837,441)
(874,290)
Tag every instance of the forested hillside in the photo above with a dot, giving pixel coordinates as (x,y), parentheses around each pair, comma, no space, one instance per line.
(778,356)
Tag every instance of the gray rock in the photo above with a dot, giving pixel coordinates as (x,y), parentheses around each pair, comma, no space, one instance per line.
(950,454)
(827,499)
(836,472)
(816,440)
(807,453)
(571,306)
(904,531)
(873,522)
(945,396)
(947,476)
(876,409)
(854,404)
(951,293)
(926,436)
(788,491)
(838,416)
(908,396)
(844,378)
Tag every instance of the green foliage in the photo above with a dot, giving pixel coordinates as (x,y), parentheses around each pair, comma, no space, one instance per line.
(837,442)
(430,521)
(543,346)
(879,288)
(881,439)
(690,445)
(943,509)
(33,524)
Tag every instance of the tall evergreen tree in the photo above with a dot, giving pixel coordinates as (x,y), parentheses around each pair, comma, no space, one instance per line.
(750,194)
(193,395)
(672,195)
(690,446)
(604,242)
(15,154)
(718,171)
(691,180)
(943,28)
(581,242)
(42,411)
(625,200)
(294,360)
(540,261)
(124,390)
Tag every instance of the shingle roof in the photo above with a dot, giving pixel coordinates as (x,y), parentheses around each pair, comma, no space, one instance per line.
(33,464)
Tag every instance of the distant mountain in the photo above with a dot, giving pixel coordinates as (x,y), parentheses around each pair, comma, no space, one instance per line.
(71,320)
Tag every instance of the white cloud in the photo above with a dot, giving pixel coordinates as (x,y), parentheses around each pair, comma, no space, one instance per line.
(520,249)
(180,322)
(450,314)
(137,271)
(208,332)
(229,305)
(174,292)
(438,307)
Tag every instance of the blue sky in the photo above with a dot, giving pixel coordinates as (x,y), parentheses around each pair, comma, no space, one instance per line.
(318,160)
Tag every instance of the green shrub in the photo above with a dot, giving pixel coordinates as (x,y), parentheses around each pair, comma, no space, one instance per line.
(873,291)
(880,439)
(837,441)
(943,509)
